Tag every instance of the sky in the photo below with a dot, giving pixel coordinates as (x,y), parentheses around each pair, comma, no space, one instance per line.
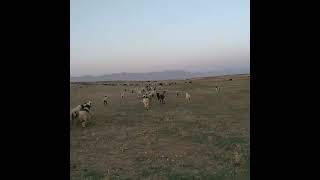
(112,36)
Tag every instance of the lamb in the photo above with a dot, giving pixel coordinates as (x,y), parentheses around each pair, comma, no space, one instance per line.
(188,97)
(146,102)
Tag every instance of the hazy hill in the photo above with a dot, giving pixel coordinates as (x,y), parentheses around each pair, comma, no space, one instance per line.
(164,75)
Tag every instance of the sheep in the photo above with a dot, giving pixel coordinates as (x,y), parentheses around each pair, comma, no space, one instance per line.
(217,89)
(105,100)
(84,116)
(74,111)
(177,93)
(161,97)
(146,102)
(188,97)
(122,95)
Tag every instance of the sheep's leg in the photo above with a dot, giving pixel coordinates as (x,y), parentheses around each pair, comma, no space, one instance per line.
(83,124)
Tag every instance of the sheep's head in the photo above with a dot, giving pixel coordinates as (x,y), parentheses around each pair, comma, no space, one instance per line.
(86,109)
(89,103)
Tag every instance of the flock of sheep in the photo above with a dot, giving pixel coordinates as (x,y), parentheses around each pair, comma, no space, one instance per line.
(82,113)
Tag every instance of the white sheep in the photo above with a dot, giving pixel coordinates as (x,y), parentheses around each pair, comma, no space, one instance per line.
(74,111)
(122,95)
(146,102)
(188,97)
(84,116)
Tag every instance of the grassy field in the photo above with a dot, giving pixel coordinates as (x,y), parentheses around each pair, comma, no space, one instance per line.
(175,140)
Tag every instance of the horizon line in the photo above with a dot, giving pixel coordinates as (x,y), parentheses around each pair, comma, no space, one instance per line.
(187,71)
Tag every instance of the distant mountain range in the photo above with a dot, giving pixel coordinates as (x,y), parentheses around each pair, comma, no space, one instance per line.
(164,75)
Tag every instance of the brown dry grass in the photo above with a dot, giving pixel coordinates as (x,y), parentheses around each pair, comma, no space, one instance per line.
(175,140)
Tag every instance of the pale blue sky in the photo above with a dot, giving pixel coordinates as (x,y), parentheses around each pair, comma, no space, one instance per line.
(109,36)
